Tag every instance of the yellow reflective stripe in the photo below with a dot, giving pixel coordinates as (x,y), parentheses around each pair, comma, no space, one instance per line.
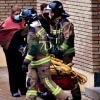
(70,50)
(26,24)
(57,90)
(41,61)
(57,31)
(71,23)
(49,84)
(32,93)
(29,57)
(76,86)
(25,39)
(40,32)
(64,46)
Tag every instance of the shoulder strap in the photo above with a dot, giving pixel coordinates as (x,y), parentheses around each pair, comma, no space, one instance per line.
(67,27)
(64,20)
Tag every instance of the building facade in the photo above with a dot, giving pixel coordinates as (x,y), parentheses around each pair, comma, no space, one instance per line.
(85,15)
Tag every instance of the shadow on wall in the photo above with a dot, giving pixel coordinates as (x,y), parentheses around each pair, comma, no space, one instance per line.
(2,58)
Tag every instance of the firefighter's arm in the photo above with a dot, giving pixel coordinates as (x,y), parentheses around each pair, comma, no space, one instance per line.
(32,50)
(68,29)
(29,56)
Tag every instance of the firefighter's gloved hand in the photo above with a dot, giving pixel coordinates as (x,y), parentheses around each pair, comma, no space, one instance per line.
(56,52)
(42,94)
(25,67)
(61,50)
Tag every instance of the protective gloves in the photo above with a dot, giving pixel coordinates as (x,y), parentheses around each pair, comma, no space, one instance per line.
(58,53)
(25,67)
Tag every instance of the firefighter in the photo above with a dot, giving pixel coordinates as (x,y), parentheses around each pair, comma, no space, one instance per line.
(45,21)
(38,58)
(62,38)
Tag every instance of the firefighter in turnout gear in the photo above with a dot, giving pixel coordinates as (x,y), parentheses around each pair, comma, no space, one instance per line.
(38,58)
(62,38)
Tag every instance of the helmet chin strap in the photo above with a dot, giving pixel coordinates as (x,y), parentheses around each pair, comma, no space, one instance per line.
(55,16)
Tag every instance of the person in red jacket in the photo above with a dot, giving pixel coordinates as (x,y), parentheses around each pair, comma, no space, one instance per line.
(13,44)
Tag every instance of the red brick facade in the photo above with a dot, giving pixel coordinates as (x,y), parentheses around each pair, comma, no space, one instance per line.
(85,15)
(5,6)
(86,18)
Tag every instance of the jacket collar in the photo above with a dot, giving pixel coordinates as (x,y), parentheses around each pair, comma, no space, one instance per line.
(35,23)
(56,20)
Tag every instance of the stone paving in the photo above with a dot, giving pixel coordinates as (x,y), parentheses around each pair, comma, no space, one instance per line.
(4,88)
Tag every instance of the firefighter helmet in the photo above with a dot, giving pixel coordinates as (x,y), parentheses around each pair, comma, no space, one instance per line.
(29,14)
(57,8)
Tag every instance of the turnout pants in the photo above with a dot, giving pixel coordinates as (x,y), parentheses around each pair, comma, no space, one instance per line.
(42,74)
(76,93)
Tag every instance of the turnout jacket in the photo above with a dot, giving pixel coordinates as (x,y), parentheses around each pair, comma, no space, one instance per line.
(37,45)
(62,36)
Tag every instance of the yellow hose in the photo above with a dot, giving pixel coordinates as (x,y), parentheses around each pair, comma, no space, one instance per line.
(63,69)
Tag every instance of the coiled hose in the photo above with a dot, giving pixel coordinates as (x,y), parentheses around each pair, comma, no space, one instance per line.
(63,69)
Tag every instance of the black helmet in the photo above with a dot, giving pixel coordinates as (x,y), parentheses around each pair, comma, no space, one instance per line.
(29,14)
(57,8)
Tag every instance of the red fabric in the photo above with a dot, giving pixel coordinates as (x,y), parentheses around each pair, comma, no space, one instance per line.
(64,82)
(41,88)
(7,30)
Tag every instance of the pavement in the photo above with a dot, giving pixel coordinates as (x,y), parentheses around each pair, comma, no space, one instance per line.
(5,92)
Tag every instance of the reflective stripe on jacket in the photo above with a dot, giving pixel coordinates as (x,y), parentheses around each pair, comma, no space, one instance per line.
(41,61)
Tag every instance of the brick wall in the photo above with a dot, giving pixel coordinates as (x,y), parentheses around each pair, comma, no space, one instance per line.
(86,18)
(5,6)
(96,33)
(80,11)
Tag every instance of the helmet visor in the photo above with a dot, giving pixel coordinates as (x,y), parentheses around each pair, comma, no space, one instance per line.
(48,9)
